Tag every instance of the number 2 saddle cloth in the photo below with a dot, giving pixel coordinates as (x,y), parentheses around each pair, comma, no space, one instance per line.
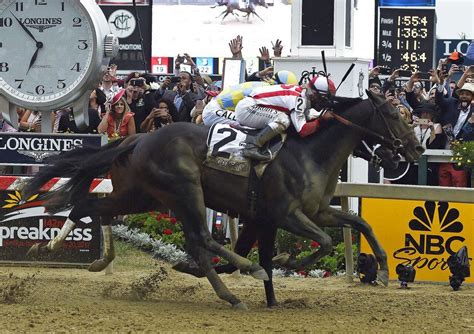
(225,145)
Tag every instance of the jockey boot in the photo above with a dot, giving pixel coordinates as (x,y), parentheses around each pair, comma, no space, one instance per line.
(254,143)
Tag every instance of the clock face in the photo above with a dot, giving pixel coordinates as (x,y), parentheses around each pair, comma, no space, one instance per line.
(46,48)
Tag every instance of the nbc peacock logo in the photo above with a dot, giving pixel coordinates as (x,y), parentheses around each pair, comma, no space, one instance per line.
(433,236)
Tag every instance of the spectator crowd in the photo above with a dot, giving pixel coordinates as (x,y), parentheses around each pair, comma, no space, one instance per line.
(438,105)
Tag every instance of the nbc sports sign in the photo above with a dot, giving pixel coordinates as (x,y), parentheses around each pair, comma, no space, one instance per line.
(421,233)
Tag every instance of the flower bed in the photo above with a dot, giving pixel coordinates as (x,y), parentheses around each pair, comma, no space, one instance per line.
(162,235)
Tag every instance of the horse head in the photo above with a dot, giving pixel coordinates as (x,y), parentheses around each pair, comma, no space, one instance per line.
(388,122)
(262,3)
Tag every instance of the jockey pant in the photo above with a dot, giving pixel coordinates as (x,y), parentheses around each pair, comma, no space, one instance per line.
(213,113)
(249,113)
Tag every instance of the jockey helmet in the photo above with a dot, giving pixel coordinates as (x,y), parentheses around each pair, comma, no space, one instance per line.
(284,77)
(322,85)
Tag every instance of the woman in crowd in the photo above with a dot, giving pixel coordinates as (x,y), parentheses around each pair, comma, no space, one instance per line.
(30,121)
(118,120)
(159,116)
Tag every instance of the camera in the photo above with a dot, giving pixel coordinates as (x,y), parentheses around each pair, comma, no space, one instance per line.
(180,59)
(385,70)
(461,68)
(404,73)
(406,273)
(137,82)
(422,121)
(175,79)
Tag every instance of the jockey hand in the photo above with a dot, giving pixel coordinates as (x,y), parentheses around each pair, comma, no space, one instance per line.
(322,114)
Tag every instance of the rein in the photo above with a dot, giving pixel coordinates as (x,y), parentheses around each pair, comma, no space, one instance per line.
(383,140)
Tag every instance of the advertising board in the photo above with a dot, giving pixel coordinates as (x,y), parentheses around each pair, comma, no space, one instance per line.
(420,233)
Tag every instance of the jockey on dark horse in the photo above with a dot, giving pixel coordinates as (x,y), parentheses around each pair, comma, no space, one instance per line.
(274,108)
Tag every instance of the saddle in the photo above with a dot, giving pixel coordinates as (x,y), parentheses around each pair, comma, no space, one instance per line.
(225,144)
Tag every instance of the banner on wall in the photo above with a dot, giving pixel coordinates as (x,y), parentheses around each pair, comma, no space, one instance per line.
(421,233)
(123,23)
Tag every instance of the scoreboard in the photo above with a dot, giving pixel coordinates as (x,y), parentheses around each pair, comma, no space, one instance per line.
(406,38)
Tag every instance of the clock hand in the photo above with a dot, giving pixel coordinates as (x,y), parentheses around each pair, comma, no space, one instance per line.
(33,59)
(24,27)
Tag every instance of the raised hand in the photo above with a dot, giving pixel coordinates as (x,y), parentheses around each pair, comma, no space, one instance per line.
(264,54)
(236,47)
(277,48)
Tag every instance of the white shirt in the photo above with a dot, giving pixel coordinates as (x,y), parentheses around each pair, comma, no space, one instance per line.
(461,120)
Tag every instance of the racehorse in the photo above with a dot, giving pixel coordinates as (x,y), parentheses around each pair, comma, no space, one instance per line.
(296,188)
(250,7)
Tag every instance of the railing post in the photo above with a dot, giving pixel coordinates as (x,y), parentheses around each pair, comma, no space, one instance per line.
(422,170)
(346,231)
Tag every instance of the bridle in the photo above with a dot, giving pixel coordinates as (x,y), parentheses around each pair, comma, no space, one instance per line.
(393,143)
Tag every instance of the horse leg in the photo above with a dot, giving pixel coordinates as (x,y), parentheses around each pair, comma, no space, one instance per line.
(298,223)
(335,218)
(202,258)
(266,243)
(193,210)
(245,241)
(109,250)
(255,13)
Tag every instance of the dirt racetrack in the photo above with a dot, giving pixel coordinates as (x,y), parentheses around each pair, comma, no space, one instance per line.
(145,295)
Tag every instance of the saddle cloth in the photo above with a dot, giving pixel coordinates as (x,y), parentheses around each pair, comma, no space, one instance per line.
(225,145)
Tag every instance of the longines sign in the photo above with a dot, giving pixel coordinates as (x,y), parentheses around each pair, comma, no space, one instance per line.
(421,233)
(35,148)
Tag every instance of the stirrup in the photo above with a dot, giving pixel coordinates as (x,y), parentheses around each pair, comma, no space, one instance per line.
(253,152)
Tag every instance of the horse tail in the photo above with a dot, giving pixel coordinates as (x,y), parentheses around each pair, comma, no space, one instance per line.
(81,166)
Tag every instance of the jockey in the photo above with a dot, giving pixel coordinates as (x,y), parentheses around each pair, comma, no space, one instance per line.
(274,108)
(221,108)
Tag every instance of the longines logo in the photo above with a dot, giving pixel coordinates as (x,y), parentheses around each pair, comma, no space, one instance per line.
(41,23)
(122,23)
(432,228)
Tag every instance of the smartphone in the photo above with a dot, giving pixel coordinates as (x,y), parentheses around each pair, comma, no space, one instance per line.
(404,73)
(385,70)
(423,121)
(175,79)
(137,82)
(186,68)
(424,75)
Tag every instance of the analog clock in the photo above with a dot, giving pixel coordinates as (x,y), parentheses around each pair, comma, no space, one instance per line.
(52,53)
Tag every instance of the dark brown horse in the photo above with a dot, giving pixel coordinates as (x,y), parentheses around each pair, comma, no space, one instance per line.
(167,167)
(248,8)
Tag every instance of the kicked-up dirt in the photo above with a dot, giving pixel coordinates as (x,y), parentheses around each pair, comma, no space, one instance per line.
(145,295)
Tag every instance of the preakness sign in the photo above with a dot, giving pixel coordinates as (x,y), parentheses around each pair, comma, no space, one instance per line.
(421,233)
(24,222)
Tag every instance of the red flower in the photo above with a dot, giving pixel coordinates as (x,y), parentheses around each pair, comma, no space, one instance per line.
(167,231)
(162,216)
(327,274)
(216,260)
(314,244)
(173,220)
(302,273)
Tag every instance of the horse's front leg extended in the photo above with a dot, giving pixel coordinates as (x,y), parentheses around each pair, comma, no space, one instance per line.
(298,223)
(336,218)
(54,244)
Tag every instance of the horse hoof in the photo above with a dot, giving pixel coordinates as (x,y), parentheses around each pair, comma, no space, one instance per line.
(98,265)
(260,274)
(185,267)
(382,276)
(36,250)
(240,306)
(281,259)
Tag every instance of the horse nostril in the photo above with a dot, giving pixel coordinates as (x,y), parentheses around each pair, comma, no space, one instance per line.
(419,149)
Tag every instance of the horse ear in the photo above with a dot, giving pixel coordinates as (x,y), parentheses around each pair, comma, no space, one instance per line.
(377,99)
